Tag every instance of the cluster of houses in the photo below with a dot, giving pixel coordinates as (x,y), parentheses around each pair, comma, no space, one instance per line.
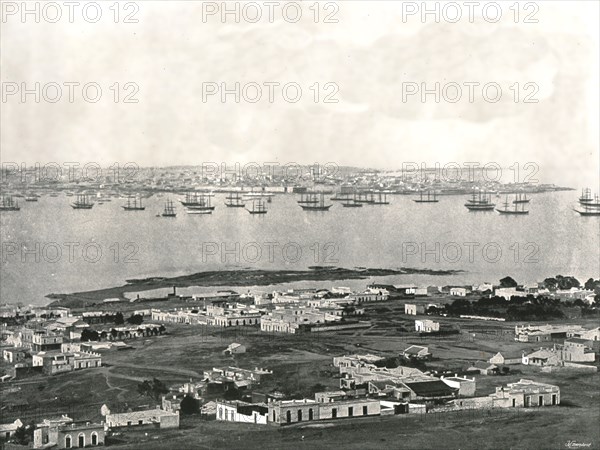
(573,352)
(541,333)
(50,341)
(295,311)
(64,433)
(535,290)
(368,389)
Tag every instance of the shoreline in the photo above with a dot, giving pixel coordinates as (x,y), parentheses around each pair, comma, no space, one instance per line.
(242,277)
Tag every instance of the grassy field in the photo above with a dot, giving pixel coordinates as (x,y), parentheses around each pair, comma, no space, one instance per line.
(302,362)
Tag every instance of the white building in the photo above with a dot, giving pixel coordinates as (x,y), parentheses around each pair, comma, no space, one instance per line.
(458,292)
(237,411)
(427,326)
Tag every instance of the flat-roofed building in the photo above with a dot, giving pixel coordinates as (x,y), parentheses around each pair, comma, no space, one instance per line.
(526,393)
(155,417)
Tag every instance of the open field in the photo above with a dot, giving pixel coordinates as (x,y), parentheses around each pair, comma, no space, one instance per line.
(303,364)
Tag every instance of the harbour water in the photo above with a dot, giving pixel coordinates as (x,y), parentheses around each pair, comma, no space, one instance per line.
(48,247)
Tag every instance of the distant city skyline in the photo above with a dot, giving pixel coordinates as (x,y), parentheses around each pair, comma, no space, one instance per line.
(370,125)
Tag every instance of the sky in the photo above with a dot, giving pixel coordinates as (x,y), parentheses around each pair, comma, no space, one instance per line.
(370,61)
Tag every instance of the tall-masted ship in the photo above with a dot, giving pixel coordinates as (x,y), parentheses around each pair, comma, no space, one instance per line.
(198,200)
(8,204)
(133,206)
(351,203)
(517,209)
(379,198)
(258,207)
(307,198)
(481,202)
(586,196)
(169,210)
(521,198)
(429,198)
(82,202)
(319,205)
(587,200)
(234,200)
(587,211)
(365,197)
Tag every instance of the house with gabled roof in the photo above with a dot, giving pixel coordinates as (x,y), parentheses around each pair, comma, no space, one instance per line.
(506,358)
(483,367)
(542,357)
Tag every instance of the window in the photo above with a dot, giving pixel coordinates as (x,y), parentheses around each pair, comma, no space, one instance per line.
(514,402)
(310,414)
(288,416)
(350,411)
(94,438)
(541,400)
(68,441)
(299,415)
(273,416)
(553,399)
(140,422)
(334,413)
(81,440)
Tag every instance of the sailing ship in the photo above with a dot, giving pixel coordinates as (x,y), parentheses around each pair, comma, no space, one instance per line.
(318,205)
(365,197)
(31,198)
(586,196)
(82,202)
(515,210)
(587,200)
(169,209)
(351,203)
(307,198)
(380,200)
(521,198)
(197,200)
(234,200)
(481,202)
(428,199)
(588,210)
(258,207)
(133,206)
(8,204)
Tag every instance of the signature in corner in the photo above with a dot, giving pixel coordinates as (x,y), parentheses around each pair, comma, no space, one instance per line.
(575,444)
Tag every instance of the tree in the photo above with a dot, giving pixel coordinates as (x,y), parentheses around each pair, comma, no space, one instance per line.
(158,388)
(24,434)
(550,284)
(89,335)
(508,282)
(135,319)
(20,436)
(591,284)
(189,405)
(119,318)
